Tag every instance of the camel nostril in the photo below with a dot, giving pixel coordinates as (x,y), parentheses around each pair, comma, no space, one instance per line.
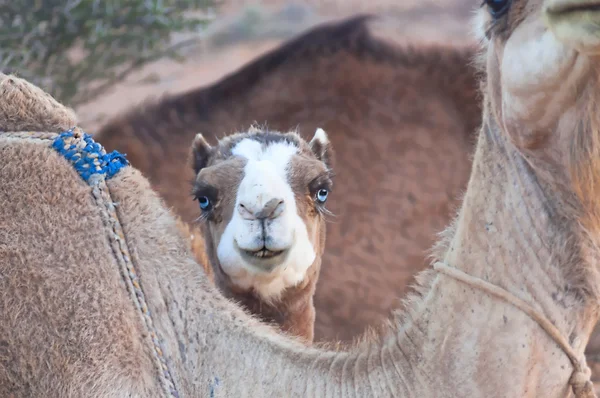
(278,209)
(272,209)
(245,212)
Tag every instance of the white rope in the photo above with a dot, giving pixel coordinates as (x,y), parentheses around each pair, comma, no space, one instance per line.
(580,379)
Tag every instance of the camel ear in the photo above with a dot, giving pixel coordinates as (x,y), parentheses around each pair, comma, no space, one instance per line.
(201,151)
(321,147)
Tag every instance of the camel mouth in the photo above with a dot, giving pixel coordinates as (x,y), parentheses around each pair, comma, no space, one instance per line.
(575,23)
(263,259)
(264,253)
(571,7)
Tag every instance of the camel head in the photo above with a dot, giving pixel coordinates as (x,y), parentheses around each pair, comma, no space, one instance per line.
(262,197)
(542,59)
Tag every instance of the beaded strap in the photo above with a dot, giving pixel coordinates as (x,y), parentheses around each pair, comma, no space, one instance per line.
(87,156)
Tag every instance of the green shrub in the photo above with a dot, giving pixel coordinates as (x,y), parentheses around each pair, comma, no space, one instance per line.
(76,49)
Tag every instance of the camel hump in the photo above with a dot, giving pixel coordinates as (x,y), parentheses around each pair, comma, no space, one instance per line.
(26,107)
(28,111)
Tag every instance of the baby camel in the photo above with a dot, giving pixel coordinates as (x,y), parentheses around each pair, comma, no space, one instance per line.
(262,197)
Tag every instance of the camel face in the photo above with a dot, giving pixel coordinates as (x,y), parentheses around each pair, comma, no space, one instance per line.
(540,64)
(263,196)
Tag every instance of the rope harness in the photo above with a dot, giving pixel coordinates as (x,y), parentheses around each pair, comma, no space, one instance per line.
(580,379)
(95,166)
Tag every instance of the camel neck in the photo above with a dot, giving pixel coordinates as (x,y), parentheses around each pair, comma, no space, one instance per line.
(457,340)
(513,231)
(509,231)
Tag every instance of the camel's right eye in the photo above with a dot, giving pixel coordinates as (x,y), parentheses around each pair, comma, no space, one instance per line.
(204,202)
(498,7)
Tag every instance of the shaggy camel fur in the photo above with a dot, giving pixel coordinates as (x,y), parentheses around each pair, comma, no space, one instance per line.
(528,224)
(197,246)
(402,120)
(263,197)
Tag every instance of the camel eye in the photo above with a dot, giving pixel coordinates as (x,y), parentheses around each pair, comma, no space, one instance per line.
(204,202)
(498,7)
(322,195)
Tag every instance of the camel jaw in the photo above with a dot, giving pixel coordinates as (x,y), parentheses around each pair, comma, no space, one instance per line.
(575,23)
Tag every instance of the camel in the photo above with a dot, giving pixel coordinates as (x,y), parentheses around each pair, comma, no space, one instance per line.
(263,196)
(276,285)
(102,298)
(403,120)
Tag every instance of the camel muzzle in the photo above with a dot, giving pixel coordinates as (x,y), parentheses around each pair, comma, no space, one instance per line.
(575,23)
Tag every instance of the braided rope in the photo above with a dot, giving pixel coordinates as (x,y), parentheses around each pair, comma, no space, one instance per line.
(30,135)
(119,245)
(580,379)
(95,166)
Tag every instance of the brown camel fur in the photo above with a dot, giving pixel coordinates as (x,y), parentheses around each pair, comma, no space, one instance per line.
(402,120)
(70,326)
(197,246)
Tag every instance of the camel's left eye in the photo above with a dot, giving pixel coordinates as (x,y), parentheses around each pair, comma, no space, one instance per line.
(498,7)
(322,195)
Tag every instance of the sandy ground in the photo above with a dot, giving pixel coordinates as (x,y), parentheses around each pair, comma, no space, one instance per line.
(244,30)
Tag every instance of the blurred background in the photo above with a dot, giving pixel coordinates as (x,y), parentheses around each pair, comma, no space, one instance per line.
(101,57)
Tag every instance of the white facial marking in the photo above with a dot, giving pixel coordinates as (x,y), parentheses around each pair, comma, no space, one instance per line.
(248,149)
(265,182)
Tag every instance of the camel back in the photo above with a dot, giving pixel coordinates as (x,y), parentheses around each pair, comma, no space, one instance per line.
(84,248)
